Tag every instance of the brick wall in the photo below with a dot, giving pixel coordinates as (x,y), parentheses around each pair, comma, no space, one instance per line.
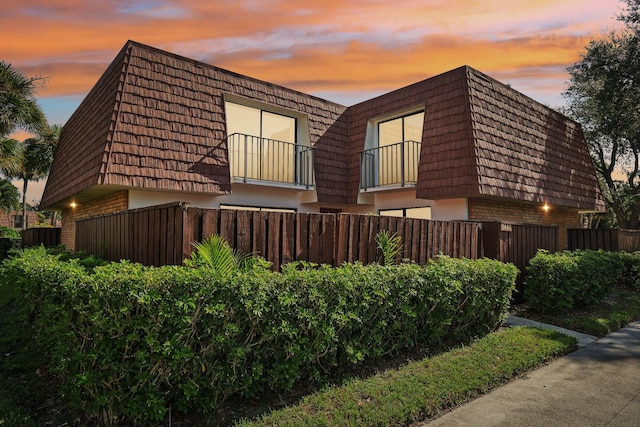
(115,202)
(6,220)
(524,213)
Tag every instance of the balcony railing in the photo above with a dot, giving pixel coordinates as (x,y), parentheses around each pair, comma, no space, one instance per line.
(253,158)
(391,165)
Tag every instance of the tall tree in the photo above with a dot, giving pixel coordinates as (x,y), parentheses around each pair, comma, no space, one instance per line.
(604,96)
(9,196)
(18,107)
(10,155)
(36,161)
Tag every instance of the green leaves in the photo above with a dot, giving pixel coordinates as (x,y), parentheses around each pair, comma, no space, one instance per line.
(128,341)
(216,253)
(389,245)
(560,281)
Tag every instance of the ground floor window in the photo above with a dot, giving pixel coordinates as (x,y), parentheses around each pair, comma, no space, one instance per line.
(257,208)
(330,210)
(419,213)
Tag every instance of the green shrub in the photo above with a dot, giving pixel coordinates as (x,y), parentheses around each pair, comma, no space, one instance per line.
(7,245)
(130,342)
(9,233)
(560,281)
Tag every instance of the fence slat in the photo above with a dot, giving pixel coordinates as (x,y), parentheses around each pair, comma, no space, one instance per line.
(244,231)
(288,238)
(302,238)
(328,239)
(274,242)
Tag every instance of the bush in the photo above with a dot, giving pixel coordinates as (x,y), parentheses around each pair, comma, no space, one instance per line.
(9,233)
(130,342)
(558,282)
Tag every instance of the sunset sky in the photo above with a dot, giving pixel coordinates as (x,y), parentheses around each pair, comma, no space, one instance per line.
(342,50)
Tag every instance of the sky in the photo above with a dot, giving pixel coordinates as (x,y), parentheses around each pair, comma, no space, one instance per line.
(345,51)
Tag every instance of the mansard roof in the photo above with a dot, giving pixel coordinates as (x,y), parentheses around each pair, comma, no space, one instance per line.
(155,120)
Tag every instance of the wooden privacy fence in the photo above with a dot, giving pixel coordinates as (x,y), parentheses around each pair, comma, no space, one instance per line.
(517,243)
(609,240)
(162,235)
(47,236)
(151,236)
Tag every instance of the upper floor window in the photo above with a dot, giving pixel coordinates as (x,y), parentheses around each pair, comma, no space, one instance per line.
(264,146)
(256,122)
(406,128)
(393,152)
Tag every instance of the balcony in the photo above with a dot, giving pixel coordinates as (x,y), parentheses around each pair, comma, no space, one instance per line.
(390,166)
(260,160)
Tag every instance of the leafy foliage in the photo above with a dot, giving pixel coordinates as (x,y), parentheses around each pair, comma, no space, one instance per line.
(9,196)
(603,96)
(216,253)
(130,342)
(389,246)
(18,108)
(560,281)
(35,161)
(9,233)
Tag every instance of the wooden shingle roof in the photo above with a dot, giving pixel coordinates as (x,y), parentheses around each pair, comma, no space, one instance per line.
(527,151)
(507,146)
(155,120)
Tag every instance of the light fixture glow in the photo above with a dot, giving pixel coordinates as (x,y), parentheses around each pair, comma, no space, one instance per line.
(546,207)
(73,205)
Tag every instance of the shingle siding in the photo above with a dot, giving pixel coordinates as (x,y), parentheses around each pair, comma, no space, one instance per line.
(526,151)
(167,128)
(80,152)
(446,155)
(156,120)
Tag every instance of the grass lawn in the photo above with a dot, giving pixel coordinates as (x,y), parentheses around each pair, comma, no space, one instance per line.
(423,389)
(620,308)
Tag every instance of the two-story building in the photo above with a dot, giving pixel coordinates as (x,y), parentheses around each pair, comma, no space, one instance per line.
(158,127)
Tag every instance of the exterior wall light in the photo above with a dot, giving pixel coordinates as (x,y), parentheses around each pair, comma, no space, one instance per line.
(73,205)
(546,208)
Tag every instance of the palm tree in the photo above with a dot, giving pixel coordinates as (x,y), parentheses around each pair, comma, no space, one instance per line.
(35,162)
(10,156)
(18,107)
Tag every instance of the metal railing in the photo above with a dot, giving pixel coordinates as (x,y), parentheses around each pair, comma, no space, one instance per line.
(262,159)
(394,164)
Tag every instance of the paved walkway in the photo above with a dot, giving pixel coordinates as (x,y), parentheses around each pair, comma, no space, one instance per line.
(597,385)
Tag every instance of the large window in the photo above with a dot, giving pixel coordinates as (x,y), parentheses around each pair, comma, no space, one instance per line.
(263,146)
(406,128)
(419,213)
(395,153)
(257,208)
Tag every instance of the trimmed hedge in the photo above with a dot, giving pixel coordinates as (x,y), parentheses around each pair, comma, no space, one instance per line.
(130,342)
(558,282)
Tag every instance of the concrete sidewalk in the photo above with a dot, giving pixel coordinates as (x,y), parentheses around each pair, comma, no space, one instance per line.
(597,385)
